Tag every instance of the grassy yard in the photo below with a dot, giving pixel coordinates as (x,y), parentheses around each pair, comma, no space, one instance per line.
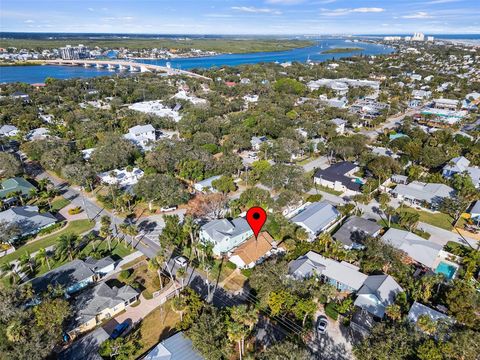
(328,190)
(440,220)
(73,227)
(147,279)
(59,203)
(155,327)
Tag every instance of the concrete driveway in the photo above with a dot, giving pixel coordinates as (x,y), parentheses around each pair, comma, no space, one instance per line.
(334,344)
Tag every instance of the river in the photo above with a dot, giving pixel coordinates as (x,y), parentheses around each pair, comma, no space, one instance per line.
(38,73)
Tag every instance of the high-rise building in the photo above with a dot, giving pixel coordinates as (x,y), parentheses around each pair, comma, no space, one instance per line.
(418,37)
(74,52)
(430,38)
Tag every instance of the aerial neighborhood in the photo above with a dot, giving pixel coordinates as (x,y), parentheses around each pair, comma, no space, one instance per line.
(123,201)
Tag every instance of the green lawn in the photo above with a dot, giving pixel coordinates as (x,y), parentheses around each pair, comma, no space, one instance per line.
(59,204)
(440,220)
(328,190)
(73,227)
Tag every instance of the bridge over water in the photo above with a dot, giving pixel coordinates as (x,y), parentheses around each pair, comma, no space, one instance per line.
(126,66)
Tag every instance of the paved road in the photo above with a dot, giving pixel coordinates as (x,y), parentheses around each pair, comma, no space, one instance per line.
(320,162)
(390,123)
(442,236)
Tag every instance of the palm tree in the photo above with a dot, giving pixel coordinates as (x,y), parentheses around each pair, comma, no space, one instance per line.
(246,317)
(179,305)
(43,184)
(181,273)
(33,194)
(394,312)
(235,333)
(154,265)
(8,268)
(27,260)
(67,245)
(106,230)
(92,239)
(43,257)
(191,228)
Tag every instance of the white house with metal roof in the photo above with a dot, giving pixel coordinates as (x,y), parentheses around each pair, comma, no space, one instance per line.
(142,135)
(376,293)
(417,310)
(176,347)
(205,186)
(344,276)
(224,234)
(460,165)
(417,248)
(316,218)
(420,193)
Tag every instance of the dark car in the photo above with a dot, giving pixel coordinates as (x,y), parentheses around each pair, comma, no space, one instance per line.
(119,330)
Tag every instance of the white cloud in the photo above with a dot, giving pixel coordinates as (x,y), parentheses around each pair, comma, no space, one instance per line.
(91,9)
(418,15)
(341,12)
(29,21)
(255,10)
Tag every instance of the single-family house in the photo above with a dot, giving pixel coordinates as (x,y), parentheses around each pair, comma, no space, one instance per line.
(429,195)
(255,250)
(224,234)
(316,218)
(87,347)
(27,219)
(339,125)
(448,104)
(339,177)
(418,310)
(38,134)
(257,141)
(376,293)
(74,275)
(8,130)
(20,95)
(176,347)
(125,177)
(15,185)
(97,303)
(344,276)
(422,251)
(355,230)
(475,212)
(206,186)
(142,136)
(461,165)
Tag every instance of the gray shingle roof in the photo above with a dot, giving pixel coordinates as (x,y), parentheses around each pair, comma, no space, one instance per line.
(70,273)
(419,249)
(377,292)
(92,301)
(316,216)
(86,348)
(355,230)
(27,218)
(176,347)
(66,275)
(312,263)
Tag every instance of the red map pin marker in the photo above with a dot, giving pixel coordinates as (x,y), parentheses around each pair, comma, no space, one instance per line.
(256,218)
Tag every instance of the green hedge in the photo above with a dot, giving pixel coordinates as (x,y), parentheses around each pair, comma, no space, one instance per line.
(331,311)
(52,228)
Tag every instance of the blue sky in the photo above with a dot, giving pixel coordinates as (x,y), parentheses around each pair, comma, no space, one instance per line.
(242,16)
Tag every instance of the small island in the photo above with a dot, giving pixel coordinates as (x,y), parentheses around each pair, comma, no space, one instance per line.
(342,50)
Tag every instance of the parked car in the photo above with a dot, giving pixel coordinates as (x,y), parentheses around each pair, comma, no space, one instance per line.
(119,330)
(322,324)
(181,261)
(168,208)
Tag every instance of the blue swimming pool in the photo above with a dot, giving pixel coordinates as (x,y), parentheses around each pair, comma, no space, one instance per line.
(446,269)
